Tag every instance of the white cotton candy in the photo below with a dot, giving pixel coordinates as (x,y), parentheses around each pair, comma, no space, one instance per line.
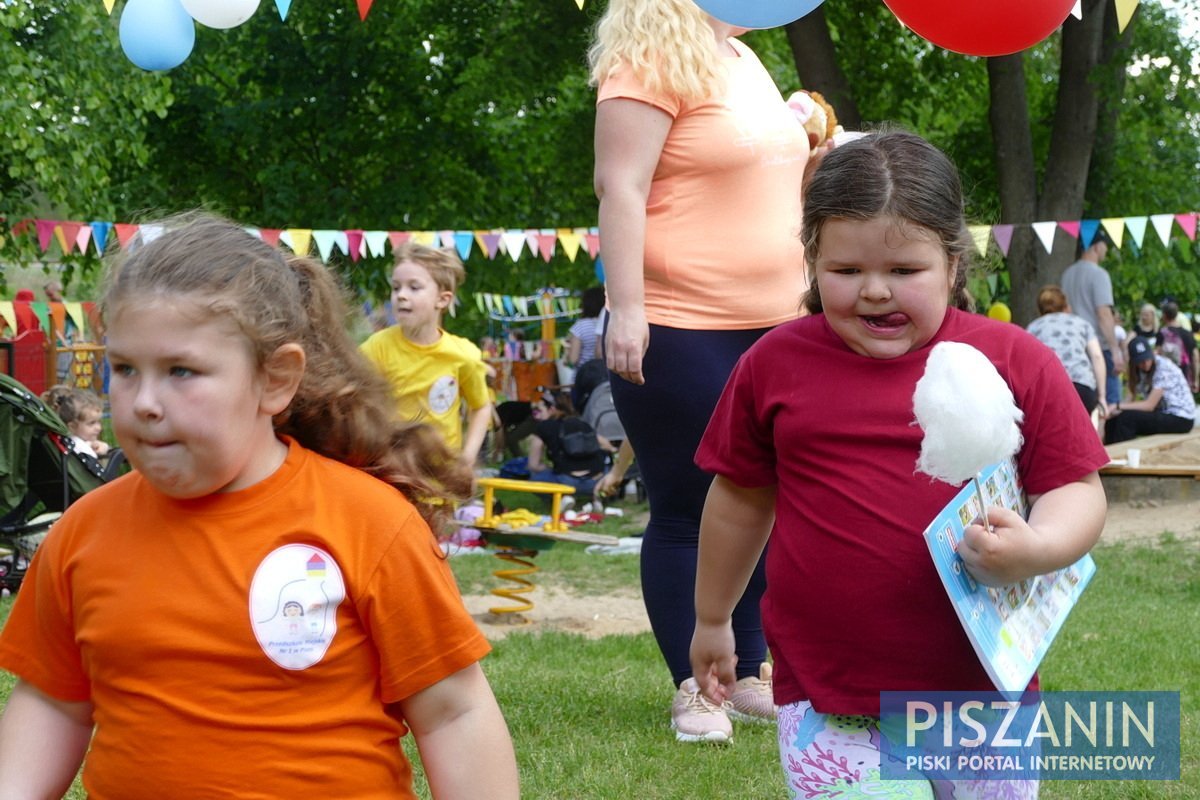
(967,413)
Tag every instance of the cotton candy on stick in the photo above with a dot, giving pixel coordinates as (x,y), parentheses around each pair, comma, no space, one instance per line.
(967,413)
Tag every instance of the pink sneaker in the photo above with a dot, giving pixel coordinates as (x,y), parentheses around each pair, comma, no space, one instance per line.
(752,700)
(695,719)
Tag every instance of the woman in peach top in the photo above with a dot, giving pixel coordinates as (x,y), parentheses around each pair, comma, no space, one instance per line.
(699,164)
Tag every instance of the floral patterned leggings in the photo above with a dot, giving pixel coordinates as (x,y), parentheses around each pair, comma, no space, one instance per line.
(837,756)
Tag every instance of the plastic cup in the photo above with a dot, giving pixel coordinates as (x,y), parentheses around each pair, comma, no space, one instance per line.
(1133,457)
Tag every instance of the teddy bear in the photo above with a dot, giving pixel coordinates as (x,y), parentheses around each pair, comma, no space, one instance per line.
(816,115)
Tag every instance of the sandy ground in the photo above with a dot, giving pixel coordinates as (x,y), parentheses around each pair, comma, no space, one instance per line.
(600,615)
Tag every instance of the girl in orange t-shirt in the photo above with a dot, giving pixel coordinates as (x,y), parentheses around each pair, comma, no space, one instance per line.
(259,609)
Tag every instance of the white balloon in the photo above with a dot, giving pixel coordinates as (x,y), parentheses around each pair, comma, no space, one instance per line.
(221,13)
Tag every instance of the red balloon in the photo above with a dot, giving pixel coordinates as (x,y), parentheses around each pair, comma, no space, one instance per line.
(982,27)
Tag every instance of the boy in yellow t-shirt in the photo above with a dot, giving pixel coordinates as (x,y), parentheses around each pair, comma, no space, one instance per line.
(432,373)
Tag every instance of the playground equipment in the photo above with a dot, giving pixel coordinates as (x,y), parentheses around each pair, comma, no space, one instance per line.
(520,535)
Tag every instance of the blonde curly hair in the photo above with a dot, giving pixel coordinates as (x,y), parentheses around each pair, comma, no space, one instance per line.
(667,44)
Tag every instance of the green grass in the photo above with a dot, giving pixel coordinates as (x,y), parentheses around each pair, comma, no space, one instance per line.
(589,717)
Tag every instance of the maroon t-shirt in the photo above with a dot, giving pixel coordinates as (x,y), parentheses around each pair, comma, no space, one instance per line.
(853,604)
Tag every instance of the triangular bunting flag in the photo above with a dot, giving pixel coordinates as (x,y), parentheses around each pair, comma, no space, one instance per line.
(70,234)
(9,314)
(100,235)
(125,233)
(531,240)
(577,2)
(76,313)
(376,243)
(1125,9)
(546,242)
(570,241)
(354,244)
(324,240)
(82,237)
(42,312)
(255,232)
(299,239)
(446,239)
(283,5)
(491,243)
(1077,9)
(593,243)
(1003,235)
(1045,233)
(1188,223)
(1162,226)
(1087,231)
(45,232)
(1137,228)
(427,238)
(58,316)
(108,5)
(363,7)
(514,241)
(979,233)
(462,243)
(522,305)
(149,232)
(270,235)
(398,238)
(1115,228)
(1071,227)
(342,242)
(61,238)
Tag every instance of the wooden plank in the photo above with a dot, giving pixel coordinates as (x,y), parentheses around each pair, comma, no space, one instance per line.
(1159,441)
(576,537)
(1174,471)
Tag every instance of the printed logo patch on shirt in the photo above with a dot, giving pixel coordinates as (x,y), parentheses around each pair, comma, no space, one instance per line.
(293,604)
(442,394)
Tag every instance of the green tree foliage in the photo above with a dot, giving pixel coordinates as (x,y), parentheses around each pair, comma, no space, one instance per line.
(74,112)
(436,115)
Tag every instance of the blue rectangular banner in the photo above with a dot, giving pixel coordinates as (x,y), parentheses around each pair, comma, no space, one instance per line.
(1039,736)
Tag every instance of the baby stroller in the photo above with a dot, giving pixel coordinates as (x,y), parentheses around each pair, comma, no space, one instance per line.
(40,475)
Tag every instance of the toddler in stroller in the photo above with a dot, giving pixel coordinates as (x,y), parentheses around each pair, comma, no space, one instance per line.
(41,473)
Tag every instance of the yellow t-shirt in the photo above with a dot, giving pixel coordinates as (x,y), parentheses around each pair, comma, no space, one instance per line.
(431,382)
(723,216)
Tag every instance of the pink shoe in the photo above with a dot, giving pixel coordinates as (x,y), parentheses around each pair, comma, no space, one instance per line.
(752,700)
(695,719)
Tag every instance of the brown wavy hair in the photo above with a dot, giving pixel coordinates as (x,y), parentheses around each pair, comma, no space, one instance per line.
(889,173)
(343,408)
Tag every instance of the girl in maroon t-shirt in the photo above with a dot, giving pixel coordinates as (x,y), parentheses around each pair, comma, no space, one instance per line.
(853,606)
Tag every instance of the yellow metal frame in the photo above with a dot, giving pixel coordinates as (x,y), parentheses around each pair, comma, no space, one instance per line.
(556,490)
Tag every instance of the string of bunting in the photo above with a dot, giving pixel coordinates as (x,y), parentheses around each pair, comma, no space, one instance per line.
(355,243)
(546,242)
(1085,230)
(512,308)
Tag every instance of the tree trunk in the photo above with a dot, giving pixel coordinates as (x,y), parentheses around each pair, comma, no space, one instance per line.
(1012,142)
(817,65)
(1066,170)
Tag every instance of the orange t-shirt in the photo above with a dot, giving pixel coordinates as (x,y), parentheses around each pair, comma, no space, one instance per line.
(242,644)
(723,216)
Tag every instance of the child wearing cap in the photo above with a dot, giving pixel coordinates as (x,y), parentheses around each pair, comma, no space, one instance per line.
(1161,400)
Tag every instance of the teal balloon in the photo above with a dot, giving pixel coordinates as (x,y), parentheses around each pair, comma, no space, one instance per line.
(757,13)
(157,34)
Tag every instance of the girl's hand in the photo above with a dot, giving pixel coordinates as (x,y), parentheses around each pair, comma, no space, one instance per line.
(1004,555)
(713,660)
(626,342)
(608,485)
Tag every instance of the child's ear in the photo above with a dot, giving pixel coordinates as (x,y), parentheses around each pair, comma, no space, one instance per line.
(281,377)
(444,300)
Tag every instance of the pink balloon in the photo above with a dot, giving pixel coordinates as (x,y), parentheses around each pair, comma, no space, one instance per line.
(982,27)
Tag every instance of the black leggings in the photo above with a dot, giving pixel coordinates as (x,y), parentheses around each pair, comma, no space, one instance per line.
(1131,424)
(665,418)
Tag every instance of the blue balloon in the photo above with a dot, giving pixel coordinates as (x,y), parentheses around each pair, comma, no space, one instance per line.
(758,13)
(157,34)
